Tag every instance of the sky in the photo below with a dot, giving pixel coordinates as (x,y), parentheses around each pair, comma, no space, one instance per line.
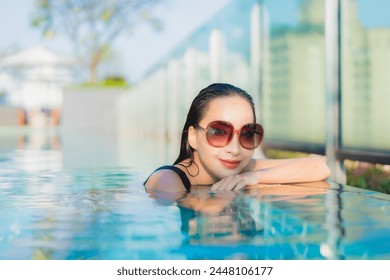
(134,55)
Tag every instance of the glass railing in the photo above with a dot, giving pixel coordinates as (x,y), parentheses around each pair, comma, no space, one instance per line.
(278,51)
(365,53)
(293,79)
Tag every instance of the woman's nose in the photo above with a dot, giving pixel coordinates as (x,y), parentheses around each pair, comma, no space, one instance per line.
(234,146)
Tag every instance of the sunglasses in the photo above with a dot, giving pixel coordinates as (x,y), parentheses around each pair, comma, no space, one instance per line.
(220,133)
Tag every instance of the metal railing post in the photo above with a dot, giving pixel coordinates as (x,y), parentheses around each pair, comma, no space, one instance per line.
(333,89)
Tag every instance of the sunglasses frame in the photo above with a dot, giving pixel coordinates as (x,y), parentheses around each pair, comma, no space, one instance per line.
(231,136)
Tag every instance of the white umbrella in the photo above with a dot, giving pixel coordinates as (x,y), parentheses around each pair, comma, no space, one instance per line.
(35,56)
(41,78)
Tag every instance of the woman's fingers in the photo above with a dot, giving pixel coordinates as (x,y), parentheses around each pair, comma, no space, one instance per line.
(240,185)
(235,182)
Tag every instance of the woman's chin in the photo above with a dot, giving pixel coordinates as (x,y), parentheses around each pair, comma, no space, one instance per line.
(226,172)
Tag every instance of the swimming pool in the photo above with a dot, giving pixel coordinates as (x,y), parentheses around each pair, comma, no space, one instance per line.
(54,208)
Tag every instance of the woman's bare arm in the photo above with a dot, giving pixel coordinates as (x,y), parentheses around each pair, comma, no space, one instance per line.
(283,171)
(291,170)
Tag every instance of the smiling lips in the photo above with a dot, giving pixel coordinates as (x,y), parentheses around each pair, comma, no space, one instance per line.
(230,163)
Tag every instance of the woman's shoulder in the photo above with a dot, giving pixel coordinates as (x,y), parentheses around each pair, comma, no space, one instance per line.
(167,178)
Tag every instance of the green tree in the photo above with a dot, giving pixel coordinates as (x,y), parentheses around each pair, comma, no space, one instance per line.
(92,25)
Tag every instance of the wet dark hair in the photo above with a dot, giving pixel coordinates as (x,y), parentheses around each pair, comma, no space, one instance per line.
(198,108)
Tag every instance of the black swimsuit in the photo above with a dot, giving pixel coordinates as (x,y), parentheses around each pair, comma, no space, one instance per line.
(179,172)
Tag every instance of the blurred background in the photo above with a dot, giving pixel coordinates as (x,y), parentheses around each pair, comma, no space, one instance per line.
(108,83)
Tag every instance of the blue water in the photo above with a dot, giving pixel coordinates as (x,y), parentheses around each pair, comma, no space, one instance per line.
(53,209)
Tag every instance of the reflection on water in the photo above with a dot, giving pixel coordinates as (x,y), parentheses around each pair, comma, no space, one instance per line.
(53,208)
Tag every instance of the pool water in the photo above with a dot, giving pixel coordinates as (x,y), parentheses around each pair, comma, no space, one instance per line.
(53,210)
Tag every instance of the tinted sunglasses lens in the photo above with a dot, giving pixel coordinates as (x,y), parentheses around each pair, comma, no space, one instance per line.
(219,134)
(251,136)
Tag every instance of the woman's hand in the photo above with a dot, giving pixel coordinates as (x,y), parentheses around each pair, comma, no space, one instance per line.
(236,182)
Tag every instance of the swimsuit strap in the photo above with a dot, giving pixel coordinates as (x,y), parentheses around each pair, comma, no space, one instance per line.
(178,171)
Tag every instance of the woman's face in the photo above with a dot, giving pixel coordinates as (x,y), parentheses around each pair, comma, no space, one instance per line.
(233,158)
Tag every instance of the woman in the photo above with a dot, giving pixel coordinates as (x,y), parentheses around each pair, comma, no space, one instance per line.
(217,145)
